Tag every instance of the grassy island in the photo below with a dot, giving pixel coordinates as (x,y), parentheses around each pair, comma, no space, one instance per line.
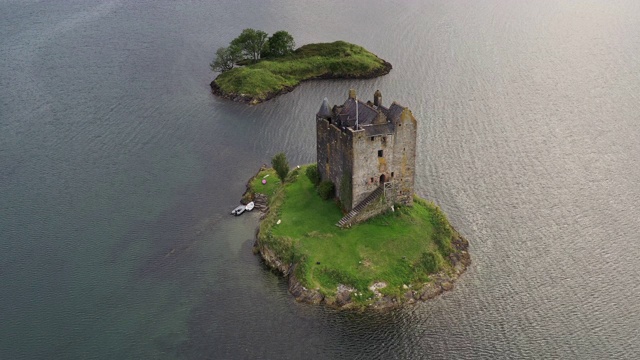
(268,78)
(401,256)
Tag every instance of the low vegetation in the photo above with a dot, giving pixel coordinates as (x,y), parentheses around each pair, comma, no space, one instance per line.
(400,248)
(271,76)
(312,174)
(326,190)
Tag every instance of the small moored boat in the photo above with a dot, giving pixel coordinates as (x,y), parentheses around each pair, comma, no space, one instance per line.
(239,210)
(249,206)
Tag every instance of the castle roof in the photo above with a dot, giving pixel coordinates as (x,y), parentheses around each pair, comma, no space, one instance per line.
(393,112)
(347,113)
(374,120)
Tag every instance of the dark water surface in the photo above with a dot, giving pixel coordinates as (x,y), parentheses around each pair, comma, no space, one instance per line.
(118,169)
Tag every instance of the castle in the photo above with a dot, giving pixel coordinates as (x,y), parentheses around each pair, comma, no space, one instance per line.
(368,151)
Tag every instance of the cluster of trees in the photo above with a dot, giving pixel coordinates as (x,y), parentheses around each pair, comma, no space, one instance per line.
(253,45)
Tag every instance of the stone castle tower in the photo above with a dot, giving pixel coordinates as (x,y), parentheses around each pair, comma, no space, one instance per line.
(368,151)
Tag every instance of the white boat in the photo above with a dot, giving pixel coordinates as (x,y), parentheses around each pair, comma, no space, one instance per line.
(239,210)
(249,206)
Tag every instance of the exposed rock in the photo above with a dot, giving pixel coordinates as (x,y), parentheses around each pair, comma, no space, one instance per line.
(301,293)
(343,295)
(376,286)
(429,291)
(410,297)
(384,303)
(272,260)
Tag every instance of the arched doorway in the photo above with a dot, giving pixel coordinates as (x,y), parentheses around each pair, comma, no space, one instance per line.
(383,179)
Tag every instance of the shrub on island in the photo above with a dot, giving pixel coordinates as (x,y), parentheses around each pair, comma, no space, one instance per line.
(326,190)
(312,174)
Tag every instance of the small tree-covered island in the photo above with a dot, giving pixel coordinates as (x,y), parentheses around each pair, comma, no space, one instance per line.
(348,231)
(255,67)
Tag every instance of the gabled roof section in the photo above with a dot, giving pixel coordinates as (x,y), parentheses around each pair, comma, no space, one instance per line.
(395,110)
(366,114)
(372,119)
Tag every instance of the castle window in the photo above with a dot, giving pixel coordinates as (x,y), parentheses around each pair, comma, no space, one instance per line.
(399,124)
(379,153)
(372,180)
(372,138)
(392,174)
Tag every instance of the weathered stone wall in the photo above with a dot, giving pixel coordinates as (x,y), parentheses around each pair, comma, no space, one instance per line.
(334,156)
(404,157)
(357,164)
(368,166)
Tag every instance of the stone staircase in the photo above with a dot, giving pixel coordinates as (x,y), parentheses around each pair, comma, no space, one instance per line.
(371,197)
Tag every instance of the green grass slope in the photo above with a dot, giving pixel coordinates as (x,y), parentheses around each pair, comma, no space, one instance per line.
(400,248)
(269,77)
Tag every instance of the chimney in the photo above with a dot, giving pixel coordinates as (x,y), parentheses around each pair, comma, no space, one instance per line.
(352,94)
(377,98)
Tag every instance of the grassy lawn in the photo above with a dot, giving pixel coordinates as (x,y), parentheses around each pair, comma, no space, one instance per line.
(339,59)
(273,183)
(399,248)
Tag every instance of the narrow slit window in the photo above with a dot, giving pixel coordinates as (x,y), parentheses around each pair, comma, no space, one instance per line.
(380,153)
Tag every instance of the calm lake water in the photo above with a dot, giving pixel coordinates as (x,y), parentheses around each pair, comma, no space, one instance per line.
(118,169)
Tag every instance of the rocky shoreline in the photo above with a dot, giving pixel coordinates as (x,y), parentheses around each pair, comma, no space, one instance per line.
(440,282)
(252,100)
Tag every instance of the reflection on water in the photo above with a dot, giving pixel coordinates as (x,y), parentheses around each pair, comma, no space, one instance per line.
(119,169)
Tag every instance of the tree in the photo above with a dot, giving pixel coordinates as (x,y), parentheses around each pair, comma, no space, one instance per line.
(225,58)
(279,44)
(280,165)
(251,42)
(313,174)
